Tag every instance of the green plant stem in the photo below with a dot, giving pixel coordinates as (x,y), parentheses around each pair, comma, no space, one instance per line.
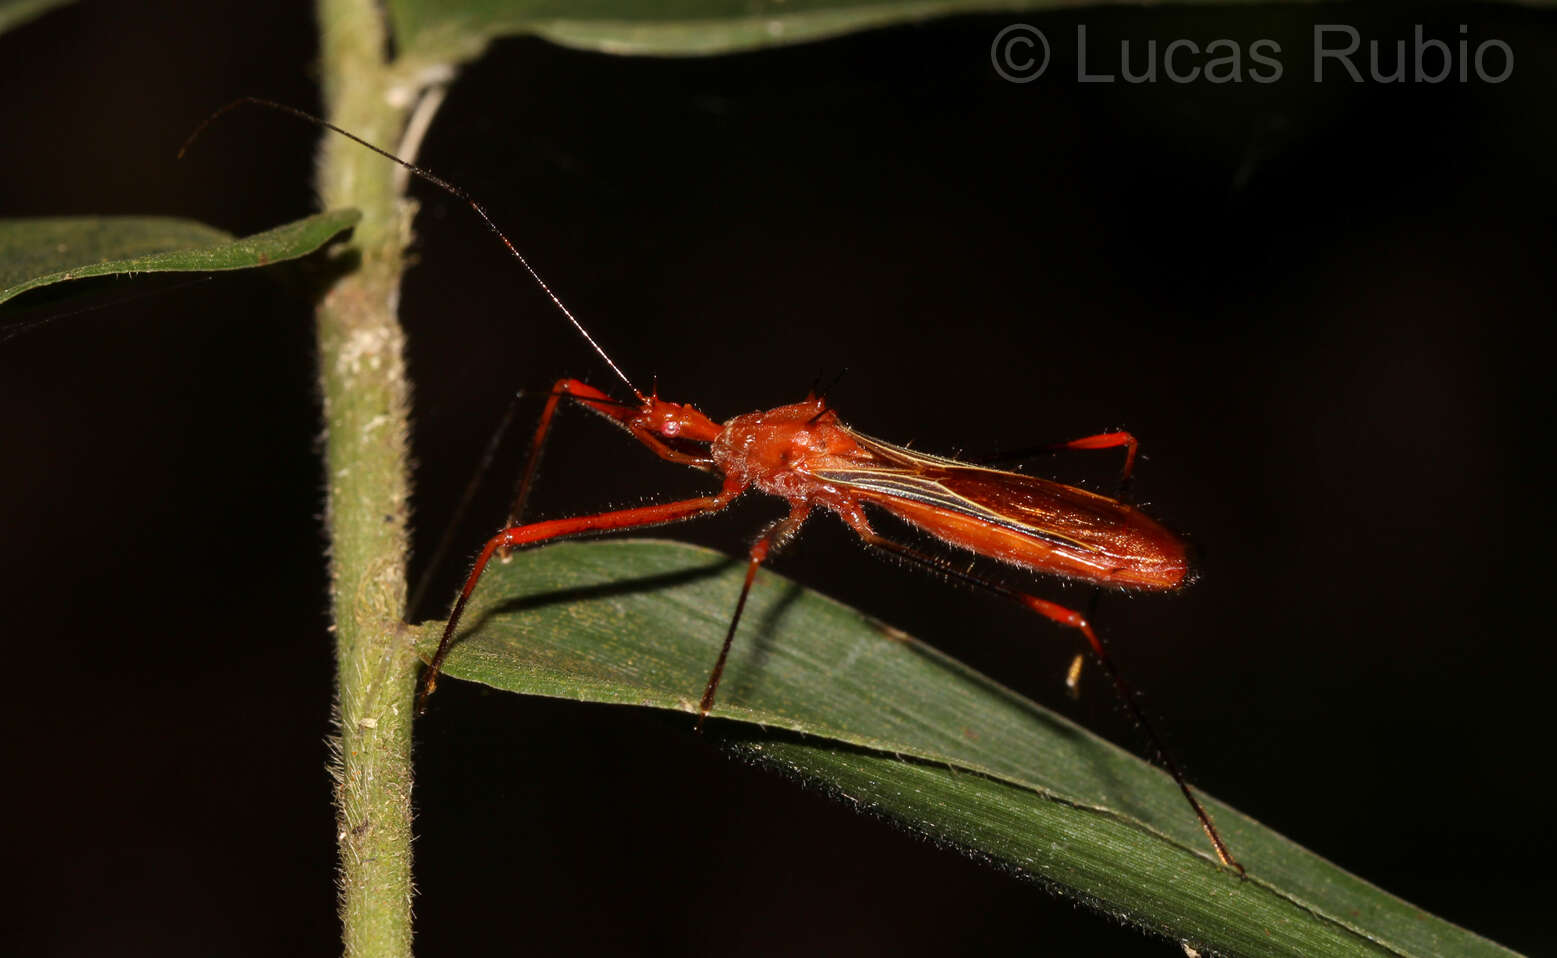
(363,382)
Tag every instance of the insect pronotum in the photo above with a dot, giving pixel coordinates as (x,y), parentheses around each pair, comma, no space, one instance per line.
(804,454)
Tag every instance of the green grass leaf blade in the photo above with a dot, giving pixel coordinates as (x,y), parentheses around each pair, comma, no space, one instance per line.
(684,28)
(873,716)
(42,252)
(14,13)
(453,30)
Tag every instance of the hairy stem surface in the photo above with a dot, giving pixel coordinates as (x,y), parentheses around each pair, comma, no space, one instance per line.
(365,394)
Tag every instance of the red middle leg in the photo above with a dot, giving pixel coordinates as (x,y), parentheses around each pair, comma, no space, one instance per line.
(537,532)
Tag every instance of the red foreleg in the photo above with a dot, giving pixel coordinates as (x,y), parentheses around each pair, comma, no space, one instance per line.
(537,446)
(597,401)
(584,393)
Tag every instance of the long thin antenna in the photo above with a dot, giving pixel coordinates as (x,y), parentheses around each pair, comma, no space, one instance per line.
(438,181)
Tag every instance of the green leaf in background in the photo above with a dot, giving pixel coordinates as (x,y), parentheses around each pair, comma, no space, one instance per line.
(889,724)
(14,13)
(458,30)
(41,252)
(454,30)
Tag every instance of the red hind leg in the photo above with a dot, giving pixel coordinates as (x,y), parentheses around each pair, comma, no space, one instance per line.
(1070,618)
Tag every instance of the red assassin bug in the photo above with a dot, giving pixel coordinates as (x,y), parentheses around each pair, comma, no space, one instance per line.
(805,455)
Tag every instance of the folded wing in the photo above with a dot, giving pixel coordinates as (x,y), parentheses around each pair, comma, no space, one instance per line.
(1030,522)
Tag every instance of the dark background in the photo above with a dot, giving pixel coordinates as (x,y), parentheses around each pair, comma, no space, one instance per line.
(1316,305)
